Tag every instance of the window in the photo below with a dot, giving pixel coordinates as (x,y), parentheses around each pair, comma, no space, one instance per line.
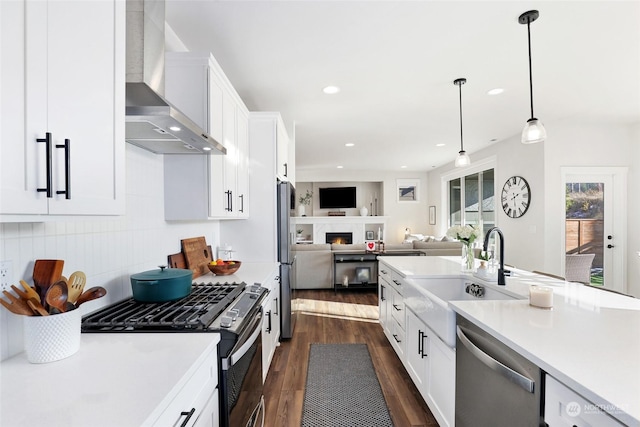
(471,200)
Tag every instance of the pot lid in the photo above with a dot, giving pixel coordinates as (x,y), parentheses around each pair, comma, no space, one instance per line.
(162,273)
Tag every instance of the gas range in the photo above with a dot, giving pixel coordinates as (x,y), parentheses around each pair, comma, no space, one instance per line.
(210,307)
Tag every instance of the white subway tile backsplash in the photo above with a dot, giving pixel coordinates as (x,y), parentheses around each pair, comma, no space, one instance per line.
(109,250)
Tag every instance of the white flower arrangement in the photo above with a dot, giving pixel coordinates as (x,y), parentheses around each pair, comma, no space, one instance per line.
(467,234)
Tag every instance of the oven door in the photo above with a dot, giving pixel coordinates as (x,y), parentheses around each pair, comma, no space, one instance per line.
(242,375)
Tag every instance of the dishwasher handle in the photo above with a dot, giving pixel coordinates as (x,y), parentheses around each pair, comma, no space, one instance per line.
(494,365)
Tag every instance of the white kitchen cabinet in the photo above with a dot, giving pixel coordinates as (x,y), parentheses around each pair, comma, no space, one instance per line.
(564,407)
(271,324)
(62,74)
(207,186)
(195,403)
(383,303)
(282,153)
(417,350)
(431,365)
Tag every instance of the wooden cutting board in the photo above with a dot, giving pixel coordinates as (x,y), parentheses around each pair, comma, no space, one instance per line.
(197,255)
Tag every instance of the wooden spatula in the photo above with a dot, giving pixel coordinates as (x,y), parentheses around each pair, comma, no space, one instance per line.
(45,273)
(76,283)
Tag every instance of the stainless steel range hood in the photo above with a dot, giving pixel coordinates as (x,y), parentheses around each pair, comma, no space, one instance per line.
(152,122)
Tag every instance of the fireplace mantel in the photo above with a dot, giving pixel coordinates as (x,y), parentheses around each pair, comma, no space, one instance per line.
(317,226)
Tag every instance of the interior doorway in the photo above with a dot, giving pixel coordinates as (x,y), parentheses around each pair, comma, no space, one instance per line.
(595,221)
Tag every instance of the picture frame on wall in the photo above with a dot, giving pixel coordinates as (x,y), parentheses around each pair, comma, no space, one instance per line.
(432,215)
(408,190)
(368,235)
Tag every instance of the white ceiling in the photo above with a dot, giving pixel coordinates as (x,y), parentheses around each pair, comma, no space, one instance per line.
(395,62)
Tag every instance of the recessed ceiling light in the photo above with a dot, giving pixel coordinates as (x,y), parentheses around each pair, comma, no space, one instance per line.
(403,167)
(496,91)
(331,90)
(174,128)
(349,144)
(440,145)
(339,167)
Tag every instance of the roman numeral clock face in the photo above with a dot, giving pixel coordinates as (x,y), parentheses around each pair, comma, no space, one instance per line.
(516,196)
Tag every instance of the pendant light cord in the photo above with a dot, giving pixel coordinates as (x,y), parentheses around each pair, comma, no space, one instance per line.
(530,68)
(461,144)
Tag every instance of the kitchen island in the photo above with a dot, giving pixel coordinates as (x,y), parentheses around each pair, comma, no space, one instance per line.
(589,341)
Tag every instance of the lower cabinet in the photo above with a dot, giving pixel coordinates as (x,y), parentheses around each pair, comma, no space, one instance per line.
(271,324)
(564,407)
(432,366)
(430,362)
(196,403)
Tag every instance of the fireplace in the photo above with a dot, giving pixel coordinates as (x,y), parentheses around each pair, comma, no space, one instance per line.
(342,238)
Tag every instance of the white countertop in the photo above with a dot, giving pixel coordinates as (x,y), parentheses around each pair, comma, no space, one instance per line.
(116,379)
(590,340)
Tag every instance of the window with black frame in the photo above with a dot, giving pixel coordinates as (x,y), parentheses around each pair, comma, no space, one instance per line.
(472,201)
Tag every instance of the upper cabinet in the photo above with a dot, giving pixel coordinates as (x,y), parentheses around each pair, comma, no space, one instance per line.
(270,130)
(62,122)
(207,186)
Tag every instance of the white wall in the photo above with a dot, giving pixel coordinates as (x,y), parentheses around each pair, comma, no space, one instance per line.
(532,241)
(400,215)
(582,144)
(107,250)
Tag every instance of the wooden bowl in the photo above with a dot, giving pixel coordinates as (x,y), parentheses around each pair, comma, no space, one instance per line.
(224,269)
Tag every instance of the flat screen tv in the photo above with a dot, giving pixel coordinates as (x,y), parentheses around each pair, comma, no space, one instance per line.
(337,197)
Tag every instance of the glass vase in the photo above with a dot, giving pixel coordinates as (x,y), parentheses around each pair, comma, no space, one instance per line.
(468,258)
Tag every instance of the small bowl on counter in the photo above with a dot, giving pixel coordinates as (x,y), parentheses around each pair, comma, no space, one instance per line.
(225,268)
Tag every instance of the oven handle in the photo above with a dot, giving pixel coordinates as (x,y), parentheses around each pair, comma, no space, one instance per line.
(244,345)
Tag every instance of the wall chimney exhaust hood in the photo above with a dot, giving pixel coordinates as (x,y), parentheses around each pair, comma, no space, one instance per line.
(152,122)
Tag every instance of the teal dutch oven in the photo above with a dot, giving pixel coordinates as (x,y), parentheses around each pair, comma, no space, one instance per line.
(165,284)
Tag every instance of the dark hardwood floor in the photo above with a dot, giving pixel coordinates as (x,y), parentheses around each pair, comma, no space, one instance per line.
(284,386)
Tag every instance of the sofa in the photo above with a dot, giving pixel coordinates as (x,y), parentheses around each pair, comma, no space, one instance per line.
(314,262)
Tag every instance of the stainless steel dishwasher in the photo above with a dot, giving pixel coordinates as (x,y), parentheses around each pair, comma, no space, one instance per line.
(495,386)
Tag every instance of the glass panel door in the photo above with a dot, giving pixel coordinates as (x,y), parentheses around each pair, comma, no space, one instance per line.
(584,224)
(595,221)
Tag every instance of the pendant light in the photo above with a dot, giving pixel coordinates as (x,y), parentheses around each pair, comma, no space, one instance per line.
(463,158)
(533,131)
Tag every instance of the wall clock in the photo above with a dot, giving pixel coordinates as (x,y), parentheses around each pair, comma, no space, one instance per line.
(516,196)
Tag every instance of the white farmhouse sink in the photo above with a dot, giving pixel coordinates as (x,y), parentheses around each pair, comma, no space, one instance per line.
(429,300)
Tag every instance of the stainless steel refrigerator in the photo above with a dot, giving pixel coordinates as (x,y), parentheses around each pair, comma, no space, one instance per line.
(286,195)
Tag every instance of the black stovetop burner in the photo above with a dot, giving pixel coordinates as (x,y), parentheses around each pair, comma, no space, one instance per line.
(194,312)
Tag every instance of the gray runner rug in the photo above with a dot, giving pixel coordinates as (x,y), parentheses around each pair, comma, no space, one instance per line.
(342,388)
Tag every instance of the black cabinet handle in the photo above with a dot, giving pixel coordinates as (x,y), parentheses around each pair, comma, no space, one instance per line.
(286,169)
(421,337)
(396,307)
(395,337)
(67,168)
(47,141)
(610,246)
(268,313)
(382,298)
(277,306)
(228,193)
(189,415)
(241,203)
(396,282)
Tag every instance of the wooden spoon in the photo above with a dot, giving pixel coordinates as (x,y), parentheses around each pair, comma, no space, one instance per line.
(30,291)
(37,308)
(91,294)
(45,273)
(17,305)
(56,296)
(76,282)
